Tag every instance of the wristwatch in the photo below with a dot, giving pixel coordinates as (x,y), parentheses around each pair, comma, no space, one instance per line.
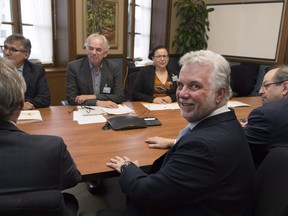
(125,164)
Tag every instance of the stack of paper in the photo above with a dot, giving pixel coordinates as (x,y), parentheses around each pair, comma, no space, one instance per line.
(27,116)
(94,114)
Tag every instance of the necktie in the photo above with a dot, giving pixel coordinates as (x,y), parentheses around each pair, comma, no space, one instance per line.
(183,132)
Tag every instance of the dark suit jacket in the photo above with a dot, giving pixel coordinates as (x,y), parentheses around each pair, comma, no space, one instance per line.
(208,172)
(34,162)
(37,91)
(267,128)
(143,87)
(79,81)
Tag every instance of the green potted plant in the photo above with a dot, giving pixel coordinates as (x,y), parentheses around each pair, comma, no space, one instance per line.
(193,25)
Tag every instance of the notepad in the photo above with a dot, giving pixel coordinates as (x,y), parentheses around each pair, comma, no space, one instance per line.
(27,116)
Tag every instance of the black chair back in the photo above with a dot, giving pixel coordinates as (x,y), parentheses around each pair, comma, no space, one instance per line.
(272,184)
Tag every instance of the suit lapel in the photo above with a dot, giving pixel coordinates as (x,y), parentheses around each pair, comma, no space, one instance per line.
(27,73)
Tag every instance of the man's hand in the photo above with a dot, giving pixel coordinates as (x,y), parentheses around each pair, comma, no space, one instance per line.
(162,100)
(107,104)
(28,106)
(243,122)
(116,163)
(160,142)
(82,98)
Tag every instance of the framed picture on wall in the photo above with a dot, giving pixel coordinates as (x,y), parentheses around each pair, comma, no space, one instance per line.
(103,17)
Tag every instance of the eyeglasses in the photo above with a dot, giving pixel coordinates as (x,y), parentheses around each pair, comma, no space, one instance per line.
(86,108)
(161,56)
(11,49)
(267,85)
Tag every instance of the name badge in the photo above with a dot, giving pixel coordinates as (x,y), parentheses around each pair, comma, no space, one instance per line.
(107,89)
(174,78)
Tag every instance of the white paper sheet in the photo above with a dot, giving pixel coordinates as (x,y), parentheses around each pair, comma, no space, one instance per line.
(234,103)
(153,106)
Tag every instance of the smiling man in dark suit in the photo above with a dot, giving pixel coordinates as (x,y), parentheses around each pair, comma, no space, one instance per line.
(17,49)
(209,170)
(94,80)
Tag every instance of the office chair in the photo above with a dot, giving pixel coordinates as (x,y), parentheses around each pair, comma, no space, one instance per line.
(35,203)
(271,184)
(243,78)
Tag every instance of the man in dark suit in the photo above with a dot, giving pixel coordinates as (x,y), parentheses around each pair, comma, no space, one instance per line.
(94,80)
(209,170)
(267,125)
(30,162)
(17,49)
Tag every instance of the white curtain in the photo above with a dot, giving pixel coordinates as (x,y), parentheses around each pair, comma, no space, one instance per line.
(142,26)
(39,12)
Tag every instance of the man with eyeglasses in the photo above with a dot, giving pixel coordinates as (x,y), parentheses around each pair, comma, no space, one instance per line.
(17,49)
(267,125)
(94,80)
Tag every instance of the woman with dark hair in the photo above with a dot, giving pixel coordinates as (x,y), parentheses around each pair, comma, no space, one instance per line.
(156,84)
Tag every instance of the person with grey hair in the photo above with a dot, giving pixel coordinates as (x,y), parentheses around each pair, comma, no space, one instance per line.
(94,80)
(30,162)
(267,125)
(17,49)
(209,170)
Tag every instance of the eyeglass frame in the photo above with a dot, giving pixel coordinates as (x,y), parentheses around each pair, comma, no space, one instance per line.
(12,50)
(161,56)
(86,108)
(267,85)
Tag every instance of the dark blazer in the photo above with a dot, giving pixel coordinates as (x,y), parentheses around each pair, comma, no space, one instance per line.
(37,91)
(209,171)
(34,162)
(79,81)
(267,128)
(143,87)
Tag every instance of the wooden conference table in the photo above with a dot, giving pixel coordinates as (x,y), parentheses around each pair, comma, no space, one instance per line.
(91,147)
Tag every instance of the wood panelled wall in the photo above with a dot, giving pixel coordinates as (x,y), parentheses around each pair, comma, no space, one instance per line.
(65,39)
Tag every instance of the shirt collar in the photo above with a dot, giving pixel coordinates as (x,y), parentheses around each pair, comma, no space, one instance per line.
(91,66)
(20,69)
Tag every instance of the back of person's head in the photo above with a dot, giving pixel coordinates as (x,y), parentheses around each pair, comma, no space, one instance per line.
(12,89)
(152,52)
(281,74)
(221,69)
(26,44)
(99,36)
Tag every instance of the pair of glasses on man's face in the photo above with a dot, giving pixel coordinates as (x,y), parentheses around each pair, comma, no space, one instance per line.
(12,50)
(267,85)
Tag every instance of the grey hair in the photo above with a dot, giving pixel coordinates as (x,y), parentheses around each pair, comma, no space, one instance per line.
(101,37)
(221,68)
(25,43)
(281,74)
(12,89)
